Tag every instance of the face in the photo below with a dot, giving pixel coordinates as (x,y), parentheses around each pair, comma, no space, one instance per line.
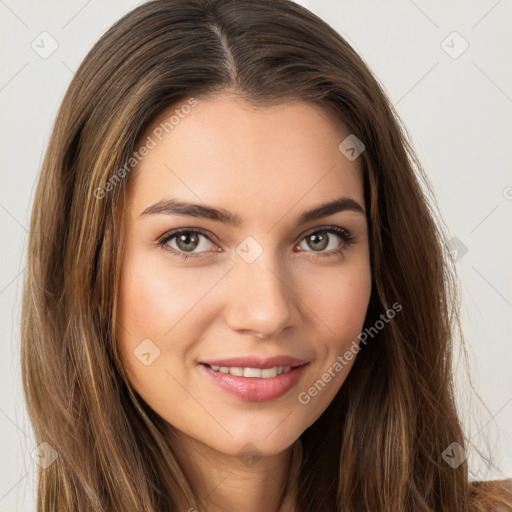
(232,327)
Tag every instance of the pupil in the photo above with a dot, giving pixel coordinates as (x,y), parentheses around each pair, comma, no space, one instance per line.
(322,238)
(187,243)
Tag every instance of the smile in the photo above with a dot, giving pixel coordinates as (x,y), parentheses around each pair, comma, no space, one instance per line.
(254,384)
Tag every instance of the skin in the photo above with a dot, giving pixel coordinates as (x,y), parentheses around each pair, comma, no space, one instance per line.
(267,165)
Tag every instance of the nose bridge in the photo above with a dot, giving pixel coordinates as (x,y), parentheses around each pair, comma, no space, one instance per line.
(262,299)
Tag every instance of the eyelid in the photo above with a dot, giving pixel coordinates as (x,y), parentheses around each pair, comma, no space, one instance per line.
(338,229)
(211,236)
(174,232)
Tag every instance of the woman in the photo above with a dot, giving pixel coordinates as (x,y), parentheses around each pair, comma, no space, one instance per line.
(237,297)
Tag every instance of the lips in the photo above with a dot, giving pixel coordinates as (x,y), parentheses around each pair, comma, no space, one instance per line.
(256,389)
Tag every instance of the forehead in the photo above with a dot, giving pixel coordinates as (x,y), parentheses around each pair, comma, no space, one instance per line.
(227,152)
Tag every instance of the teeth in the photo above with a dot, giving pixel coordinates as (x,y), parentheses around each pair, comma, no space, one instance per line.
(254,372)
(258,373)
(266,373)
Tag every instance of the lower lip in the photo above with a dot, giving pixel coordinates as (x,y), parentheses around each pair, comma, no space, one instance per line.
(255,389)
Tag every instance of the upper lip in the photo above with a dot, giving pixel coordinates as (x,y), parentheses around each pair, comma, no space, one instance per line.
(257,362)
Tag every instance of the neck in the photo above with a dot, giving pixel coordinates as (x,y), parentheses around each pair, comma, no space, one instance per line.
(233,483)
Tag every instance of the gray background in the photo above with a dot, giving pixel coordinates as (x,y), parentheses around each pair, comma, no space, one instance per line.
(457,109)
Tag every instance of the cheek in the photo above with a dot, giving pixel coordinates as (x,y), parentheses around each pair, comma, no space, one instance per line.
(155,296)
(161,302)
(149,304)
(154,299)
(340,300)
(339,303)
(353,297)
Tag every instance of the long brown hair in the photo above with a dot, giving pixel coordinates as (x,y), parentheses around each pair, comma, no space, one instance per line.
(379,444)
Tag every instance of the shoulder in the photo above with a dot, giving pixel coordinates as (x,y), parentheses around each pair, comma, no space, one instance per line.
(493,495)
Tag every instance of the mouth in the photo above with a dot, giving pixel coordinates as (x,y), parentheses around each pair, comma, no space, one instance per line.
(255,382)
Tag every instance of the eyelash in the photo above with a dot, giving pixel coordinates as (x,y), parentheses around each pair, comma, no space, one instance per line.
(345,235)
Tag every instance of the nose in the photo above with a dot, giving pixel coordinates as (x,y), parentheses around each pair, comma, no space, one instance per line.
(262,298)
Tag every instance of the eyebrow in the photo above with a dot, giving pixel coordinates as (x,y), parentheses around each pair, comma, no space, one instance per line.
(178,207)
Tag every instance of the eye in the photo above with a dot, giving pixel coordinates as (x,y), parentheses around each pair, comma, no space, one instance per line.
(319,240)
(183,242)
